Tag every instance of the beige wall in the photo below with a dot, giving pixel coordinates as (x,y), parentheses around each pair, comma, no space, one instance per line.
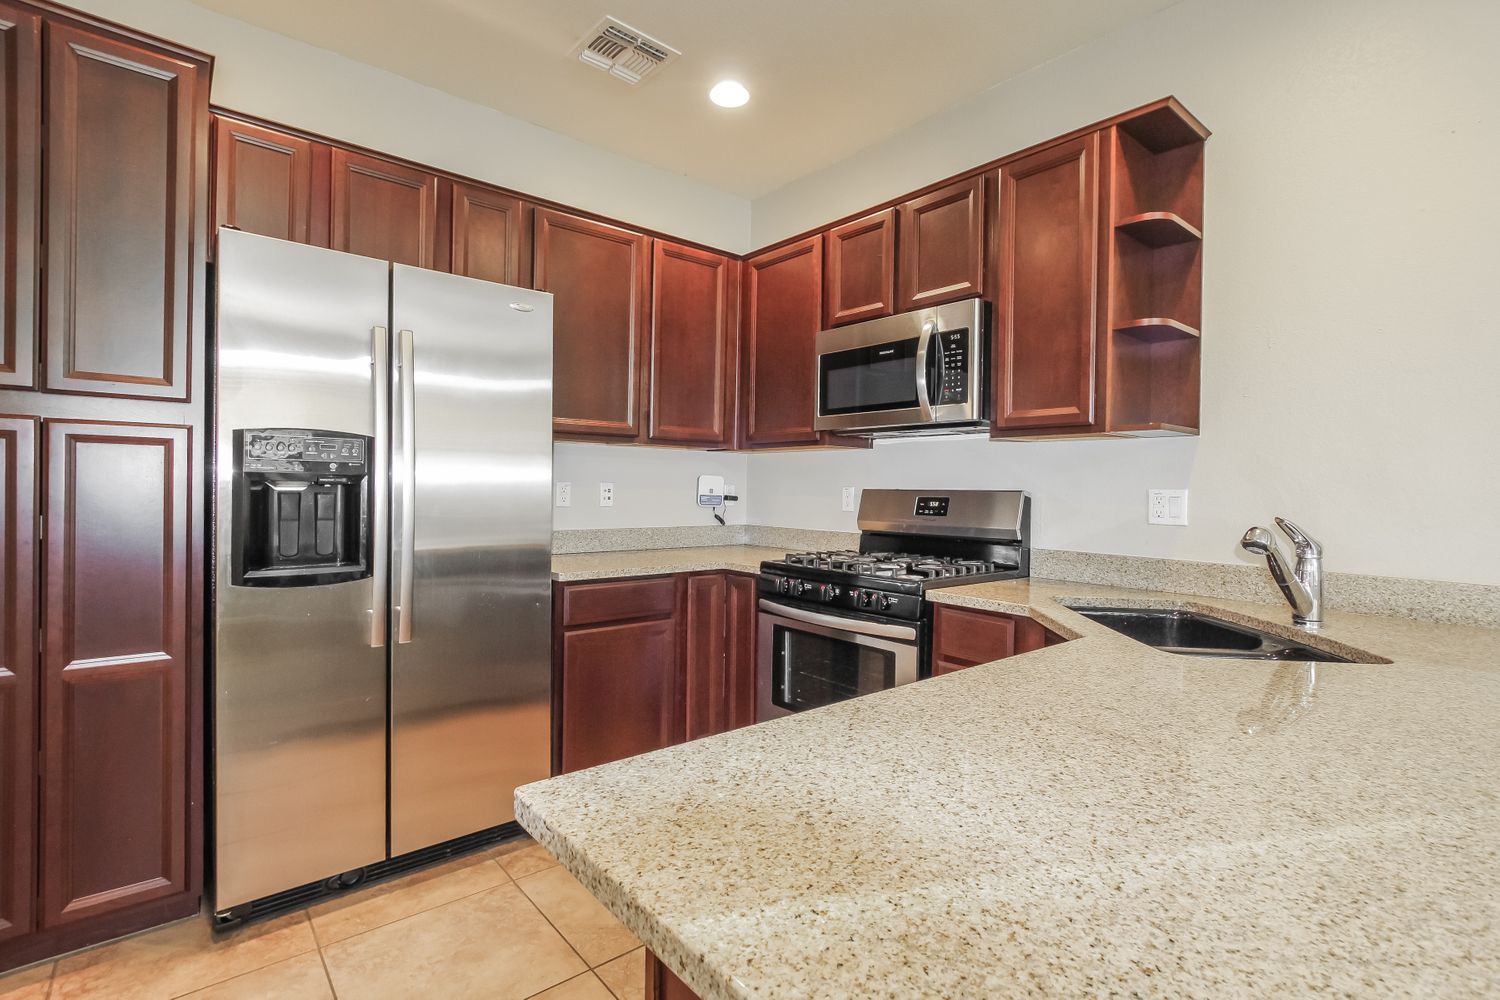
(1351,348)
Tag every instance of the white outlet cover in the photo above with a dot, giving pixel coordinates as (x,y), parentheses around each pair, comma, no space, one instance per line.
(1167,507)
(606,494)
(849,498)
(564,494)
(731,491)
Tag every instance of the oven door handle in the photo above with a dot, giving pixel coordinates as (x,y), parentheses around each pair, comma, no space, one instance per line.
(924,392)
(846,624)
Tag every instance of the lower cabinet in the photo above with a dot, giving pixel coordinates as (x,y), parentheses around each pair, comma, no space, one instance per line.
(661,984)
(647,662)
(962,637)
(18,676)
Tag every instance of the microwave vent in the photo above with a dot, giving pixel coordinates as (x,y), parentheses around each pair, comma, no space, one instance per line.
(623,52)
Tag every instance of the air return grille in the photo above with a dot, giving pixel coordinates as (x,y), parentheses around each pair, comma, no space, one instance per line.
(623,52)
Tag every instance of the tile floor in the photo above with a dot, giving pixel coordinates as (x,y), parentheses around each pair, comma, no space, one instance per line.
(503,924)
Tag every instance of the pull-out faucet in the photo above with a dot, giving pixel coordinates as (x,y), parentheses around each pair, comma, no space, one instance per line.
(1302,585)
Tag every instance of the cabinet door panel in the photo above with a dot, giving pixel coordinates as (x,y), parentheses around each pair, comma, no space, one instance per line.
(942,245)
(860,270)
(618,691)
(264,182)
(707,694)
(1044,358)
(739,649)
(20,143)
(783,291)
(491,235)
(115,668)
(691,371)
(599,275)
(124,139)
(18,672)
(383,209)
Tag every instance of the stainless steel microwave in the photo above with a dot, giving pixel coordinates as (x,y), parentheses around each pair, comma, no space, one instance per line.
(920,372)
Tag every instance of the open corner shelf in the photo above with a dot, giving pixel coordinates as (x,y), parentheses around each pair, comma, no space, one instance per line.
(1164,129)
(1154,429)
(1157,328)
(1159,229)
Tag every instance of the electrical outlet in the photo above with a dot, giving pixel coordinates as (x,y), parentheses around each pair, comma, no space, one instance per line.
(1167,507)
(565,494)
(850,497)
(731,491)
(606,494)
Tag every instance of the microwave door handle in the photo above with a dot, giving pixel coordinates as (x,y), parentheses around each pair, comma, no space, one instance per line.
(924,343)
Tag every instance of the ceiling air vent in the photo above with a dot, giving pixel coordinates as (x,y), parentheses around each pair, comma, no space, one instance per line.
(623,52)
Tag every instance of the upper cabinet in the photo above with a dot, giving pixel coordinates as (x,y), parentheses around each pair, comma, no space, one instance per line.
(599,275)
(691,369)
(1042,362)
(491,234)
(384,209)
(270,182)
(126,197)
(782,316)
(942,245)
(20,148)
(18,675)
(859,272)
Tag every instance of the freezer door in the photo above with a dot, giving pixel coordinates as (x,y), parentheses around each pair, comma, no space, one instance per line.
(471,512)
(299,672)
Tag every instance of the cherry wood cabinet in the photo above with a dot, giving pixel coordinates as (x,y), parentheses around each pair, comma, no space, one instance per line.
(600,277)
(125,193)
(18,676)
(707,688)
(270,182)
(20,149)
(860,269)
(782,315)
(384,209)
(690,375)
(662,984)
(942,245)
(115,667)
(741,632)
(491,235)
(1046,317)
(962,637)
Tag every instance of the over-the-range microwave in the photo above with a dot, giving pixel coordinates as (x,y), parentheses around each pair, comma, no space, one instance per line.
(919,372)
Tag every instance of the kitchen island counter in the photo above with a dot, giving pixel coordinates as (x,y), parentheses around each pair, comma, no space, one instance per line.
(1092,818)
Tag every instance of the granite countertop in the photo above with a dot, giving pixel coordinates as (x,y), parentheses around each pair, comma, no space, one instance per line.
(648,562)
(1093,818)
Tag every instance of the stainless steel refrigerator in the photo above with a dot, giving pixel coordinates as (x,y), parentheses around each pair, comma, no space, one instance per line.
(383,524)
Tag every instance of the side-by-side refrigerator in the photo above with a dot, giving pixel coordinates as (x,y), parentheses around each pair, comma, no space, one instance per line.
(383,525)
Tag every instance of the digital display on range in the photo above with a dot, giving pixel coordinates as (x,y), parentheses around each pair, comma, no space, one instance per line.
(932,507)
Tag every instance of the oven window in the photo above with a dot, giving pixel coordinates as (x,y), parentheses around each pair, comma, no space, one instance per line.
(812,670)
(882,377)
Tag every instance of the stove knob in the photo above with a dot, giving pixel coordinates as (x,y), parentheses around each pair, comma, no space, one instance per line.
(804,588)
(866,598)
(887,602)
(831,592)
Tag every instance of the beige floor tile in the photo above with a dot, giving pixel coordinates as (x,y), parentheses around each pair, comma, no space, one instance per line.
(300,978)
(583,920)
(584,987)
(29,984)
(523,857)
(178,958)
(493,945)
(364,910)
(626,975)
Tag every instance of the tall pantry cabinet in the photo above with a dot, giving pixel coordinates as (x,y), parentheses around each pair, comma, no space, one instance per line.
(104,153)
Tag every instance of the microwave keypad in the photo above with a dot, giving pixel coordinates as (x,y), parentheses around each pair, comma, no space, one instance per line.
(954,345)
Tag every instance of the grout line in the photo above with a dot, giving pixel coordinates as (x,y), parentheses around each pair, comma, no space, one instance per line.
(404,916)
(586,966)
(585,972)
(332,990)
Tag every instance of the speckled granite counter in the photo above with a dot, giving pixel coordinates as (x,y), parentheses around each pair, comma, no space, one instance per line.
(1095,818)
(646,562)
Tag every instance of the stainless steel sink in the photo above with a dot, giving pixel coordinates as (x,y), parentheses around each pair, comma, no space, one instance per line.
(1191,633)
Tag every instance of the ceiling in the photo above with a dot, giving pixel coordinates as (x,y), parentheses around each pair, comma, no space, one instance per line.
(826,77)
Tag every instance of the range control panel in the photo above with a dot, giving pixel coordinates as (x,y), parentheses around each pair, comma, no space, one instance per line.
(953,346)
(303,451)
(843,595)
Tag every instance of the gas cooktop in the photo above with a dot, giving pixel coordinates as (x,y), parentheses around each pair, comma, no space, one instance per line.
(894,565)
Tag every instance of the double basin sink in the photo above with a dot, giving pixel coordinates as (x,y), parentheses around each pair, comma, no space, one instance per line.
(1190,633)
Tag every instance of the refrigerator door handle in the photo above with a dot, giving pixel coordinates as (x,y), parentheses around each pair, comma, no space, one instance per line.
(380,567)
(406,365)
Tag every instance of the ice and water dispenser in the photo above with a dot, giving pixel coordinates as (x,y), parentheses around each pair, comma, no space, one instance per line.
(301,507)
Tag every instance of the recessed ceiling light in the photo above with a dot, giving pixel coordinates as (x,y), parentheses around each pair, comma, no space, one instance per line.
(729,94)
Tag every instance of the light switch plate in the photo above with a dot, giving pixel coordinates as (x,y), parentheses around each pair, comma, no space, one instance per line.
(1167,507)
(850,497)
(565,494)
(731,491)
(606,494)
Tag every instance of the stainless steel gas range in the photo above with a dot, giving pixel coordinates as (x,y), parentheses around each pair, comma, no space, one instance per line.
(836,625)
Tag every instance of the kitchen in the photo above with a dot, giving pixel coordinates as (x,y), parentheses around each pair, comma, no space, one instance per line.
(1046,805)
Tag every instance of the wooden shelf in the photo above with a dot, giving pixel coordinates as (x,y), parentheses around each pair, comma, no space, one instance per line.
(1154,429)
(1166,127)
(1159,229)
(1157,328)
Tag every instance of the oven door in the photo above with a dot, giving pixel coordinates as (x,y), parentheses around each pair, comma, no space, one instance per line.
(810,658)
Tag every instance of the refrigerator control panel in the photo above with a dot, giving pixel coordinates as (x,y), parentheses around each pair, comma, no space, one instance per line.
(303,451)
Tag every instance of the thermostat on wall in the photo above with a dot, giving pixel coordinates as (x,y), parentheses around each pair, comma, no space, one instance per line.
(710,491)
